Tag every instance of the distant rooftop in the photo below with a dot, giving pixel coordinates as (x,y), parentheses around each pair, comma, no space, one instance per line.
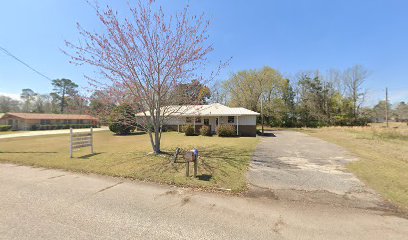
(39,116)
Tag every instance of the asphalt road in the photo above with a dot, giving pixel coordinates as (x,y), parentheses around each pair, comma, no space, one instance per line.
(38,203)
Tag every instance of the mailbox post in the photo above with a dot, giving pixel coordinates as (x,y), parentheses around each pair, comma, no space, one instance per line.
(191,156)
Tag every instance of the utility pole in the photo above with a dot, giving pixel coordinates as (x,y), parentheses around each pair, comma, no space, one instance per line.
(386,106)
(262,116)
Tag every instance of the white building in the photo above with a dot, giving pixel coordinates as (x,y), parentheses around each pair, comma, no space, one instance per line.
(211,115)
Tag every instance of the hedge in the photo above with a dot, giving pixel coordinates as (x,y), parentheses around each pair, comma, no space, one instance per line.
(205,131)
(63,126)
(188,130)
(4,128)
(226,131)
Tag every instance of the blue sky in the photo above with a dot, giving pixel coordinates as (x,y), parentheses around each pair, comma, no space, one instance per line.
(290,36)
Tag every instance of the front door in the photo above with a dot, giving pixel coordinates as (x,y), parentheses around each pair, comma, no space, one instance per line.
(206,122)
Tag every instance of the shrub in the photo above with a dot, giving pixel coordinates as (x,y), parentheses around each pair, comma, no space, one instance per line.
(4,128)
(205,131)
(226,131)
(188,130)
(122,120)
(34,127)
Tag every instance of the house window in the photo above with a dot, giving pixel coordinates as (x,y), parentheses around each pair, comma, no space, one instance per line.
(198,120)
(188,120)
(231,119)
(45,122)
(10,122)
(206,121)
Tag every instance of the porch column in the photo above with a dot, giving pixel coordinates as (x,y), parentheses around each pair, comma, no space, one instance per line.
(194,124)
(237,125)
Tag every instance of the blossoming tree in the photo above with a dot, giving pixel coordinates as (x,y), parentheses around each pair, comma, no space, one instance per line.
(144,57)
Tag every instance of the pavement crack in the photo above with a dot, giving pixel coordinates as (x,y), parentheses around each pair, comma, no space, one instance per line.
(56,176)
(109,187)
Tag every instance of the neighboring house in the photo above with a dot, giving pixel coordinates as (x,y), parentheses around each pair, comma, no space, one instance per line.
(34,121)
(211,115)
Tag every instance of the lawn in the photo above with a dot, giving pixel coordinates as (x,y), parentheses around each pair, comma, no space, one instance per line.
(223,161)
(383,153)
(10,132)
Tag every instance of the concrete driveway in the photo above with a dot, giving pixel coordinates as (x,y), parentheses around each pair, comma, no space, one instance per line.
(48,132)
(297,166)
(37,203)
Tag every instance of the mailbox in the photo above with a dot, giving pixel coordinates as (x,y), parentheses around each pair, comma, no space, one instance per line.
(189,156)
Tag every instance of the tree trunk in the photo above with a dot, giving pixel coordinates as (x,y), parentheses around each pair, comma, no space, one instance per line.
(63,100)
(156,141)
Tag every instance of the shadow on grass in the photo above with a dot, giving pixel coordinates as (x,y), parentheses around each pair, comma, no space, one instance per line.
(26,152)
(204,177)
(130,134)
(89,155)
(267,134)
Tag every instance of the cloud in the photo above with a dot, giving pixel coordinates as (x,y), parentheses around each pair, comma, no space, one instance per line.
(11,95)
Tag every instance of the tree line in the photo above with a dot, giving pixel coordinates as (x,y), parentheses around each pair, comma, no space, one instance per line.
(309,99)
(65,98)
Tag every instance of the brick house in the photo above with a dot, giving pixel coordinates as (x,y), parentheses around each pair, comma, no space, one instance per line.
(37,121)
(211,115)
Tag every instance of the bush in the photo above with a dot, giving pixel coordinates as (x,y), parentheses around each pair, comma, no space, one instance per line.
(4,128)
(122,120)
(205,131)
(188,130)
(226,131)
(34,127)
(120,128)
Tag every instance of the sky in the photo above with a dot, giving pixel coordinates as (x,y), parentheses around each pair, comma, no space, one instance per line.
(290,36)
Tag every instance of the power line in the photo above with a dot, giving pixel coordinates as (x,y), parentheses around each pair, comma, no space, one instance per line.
(25,64)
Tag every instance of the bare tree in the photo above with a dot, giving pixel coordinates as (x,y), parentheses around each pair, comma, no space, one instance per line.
(354,79)
(28,96)
(7,104)
(143,58)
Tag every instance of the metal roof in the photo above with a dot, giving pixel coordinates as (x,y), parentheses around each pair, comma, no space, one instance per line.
(47,116)
(215,109)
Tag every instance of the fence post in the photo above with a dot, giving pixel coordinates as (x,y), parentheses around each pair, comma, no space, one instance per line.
(187,168)
(70,144)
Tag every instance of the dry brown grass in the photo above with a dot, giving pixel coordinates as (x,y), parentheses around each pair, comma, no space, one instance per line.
(383,153)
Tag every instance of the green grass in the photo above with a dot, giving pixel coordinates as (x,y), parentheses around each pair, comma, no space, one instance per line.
(384,157)
(223,162)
